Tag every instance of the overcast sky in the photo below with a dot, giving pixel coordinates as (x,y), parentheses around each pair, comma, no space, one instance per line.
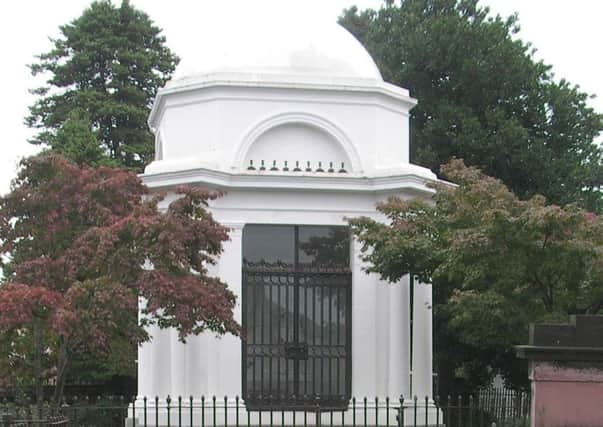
(567,35)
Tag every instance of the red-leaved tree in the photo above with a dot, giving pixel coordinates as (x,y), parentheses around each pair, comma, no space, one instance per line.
(81,246)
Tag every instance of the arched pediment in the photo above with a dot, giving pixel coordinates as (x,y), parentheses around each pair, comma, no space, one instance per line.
(297,139)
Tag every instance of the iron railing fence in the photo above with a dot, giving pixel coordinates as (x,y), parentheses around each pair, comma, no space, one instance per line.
(505,403)
(488,408)
(74,411)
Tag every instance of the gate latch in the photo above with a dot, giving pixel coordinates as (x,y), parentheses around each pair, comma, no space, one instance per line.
(297,351)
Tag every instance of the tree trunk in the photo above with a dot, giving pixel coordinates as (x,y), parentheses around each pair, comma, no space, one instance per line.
(39,386)
(63,360)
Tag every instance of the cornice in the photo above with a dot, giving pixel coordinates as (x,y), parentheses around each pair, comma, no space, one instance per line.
(291,181)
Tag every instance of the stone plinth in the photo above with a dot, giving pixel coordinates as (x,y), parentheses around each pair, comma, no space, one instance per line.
(566,370)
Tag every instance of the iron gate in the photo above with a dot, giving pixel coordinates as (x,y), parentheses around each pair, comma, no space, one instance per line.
(296,317)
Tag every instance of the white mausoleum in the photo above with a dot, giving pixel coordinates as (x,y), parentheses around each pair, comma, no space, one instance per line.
(295,124)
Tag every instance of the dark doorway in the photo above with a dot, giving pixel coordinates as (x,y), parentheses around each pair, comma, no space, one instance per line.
(297,288)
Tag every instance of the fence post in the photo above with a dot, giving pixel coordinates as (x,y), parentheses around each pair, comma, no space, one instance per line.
(470,410)
(448,411)
(415,399)
(481,407)
(192,406)
(305,417)
(74,411)
(225,411)
(459,401)
(386,411)
(436,403)
(179,411)
(401,412)
(156,410)
(168,401)
(426,411)
(214,409)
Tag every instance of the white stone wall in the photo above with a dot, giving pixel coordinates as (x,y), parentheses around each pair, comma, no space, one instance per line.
(209,365)
(215,127)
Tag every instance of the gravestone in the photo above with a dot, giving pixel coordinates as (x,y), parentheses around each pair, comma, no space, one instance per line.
(566,371)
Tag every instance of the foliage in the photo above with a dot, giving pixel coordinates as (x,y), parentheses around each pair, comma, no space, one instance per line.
(82,246)
(109,63)
(482,97)
(497,261)
(76,141)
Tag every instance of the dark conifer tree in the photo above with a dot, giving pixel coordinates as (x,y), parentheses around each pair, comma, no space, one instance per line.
(108,63)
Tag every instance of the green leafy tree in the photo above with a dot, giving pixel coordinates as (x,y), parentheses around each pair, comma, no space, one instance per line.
(76,141)
(109,63)
(484,98)
(82,246)
(496,261)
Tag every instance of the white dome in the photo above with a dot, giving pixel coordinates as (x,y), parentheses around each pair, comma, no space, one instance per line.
(284,44)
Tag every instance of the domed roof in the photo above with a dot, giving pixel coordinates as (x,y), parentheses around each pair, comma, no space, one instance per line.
(282,43)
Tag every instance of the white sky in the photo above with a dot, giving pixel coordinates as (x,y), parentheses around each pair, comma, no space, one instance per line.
(567,35)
